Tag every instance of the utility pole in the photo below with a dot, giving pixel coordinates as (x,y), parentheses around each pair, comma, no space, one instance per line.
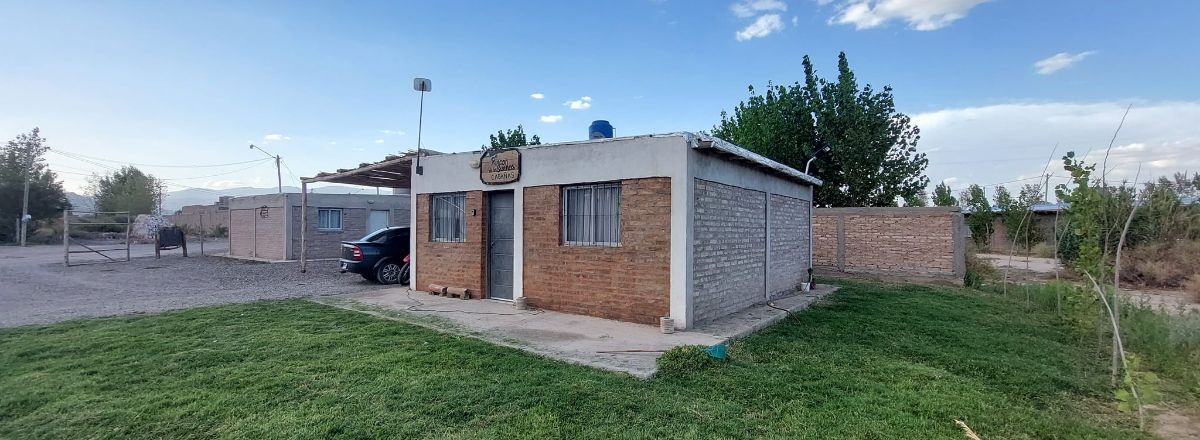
(24,222)
(278,174)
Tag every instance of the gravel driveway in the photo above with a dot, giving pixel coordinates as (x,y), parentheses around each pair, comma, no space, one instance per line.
(34,291)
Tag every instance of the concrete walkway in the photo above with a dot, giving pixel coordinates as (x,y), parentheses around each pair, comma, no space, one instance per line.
(573,338)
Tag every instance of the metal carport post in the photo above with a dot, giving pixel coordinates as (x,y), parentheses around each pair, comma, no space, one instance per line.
(392,172)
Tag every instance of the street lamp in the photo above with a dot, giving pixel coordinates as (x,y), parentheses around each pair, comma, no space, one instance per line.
(278,175)
(421,85)
(814,157)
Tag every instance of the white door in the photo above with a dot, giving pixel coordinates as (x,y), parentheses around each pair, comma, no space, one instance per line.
(377,220)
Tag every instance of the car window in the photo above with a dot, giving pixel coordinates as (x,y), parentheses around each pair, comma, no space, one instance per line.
(377,237)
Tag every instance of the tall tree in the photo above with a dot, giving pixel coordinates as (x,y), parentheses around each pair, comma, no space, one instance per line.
(918,199)
(22,159)
(865,150)
(979,219)
(942,196)
(127,189)
(511,139)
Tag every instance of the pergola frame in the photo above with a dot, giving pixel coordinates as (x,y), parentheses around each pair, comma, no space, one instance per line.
(392,172)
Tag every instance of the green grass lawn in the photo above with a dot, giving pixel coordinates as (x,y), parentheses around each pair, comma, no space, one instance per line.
(875,362)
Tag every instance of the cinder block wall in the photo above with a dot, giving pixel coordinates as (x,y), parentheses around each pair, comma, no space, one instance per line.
(788,269)
(453,264)
(916,243)
(257,233)
(628,283)
(729,249)
(328,244)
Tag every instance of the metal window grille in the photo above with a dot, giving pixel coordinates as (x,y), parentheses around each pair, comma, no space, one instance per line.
(449,217)
(329,219)
(592,215)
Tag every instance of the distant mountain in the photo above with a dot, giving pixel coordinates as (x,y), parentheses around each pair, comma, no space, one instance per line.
(195,196)
(81,202)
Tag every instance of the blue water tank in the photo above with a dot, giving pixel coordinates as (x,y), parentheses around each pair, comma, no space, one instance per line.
(600,130)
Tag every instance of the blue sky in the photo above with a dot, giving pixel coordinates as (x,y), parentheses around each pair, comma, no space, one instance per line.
(328,85)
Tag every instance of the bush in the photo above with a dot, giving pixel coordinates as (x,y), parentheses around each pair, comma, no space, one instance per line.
(1163,265)
(1044,250)
(685,360)
(219,231)
(978,271)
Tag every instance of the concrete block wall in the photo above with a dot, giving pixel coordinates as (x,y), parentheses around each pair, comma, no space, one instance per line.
(904,243)
(729,239)
(258,233)
(629,282)
(788,262)
(457,264)
(328,243)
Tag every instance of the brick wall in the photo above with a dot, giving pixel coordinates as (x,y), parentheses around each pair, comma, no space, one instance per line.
(628,283)
(252,235)
(788,269)
(453,264)
(921,243)
(729,242)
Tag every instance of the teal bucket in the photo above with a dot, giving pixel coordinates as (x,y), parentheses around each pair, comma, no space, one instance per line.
(717,351)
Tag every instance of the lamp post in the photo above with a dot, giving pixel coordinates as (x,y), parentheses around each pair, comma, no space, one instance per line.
(278,175)
(421,85)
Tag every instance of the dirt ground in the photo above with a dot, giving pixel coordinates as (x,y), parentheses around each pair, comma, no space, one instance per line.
(1023,268)
(35,287)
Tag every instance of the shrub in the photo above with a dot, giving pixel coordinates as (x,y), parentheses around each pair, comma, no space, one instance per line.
(978,271)
(685,360)
(219,231)
(1166,265)
(1044,250)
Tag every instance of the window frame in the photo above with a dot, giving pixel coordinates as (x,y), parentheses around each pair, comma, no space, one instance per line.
(339,219)
(592,229)
(459,234)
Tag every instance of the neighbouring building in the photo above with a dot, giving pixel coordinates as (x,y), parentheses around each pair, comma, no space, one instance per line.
(193,217)
(636,228)
(268,226)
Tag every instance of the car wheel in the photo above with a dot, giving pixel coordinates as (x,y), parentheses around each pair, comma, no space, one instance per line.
(388,273)
(404,274)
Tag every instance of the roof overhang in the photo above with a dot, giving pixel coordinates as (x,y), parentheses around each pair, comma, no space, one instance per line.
(392,172)
(738,154)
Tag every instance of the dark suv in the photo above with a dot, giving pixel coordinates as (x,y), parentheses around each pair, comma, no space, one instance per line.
(381,256)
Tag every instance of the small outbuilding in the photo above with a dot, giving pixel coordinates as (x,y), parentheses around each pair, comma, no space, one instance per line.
(268,227)
(679,225)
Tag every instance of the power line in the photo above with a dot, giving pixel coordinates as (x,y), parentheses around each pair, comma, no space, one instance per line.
(154,165)
(260,162)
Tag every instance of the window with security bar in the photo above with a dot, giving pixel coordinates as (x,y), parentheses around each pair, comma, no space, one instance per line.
(592,215)
(448,217)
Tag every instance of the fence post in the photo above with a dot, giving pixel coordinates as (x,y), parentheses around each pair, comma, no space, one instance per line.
(66,238)
(128,235)
(201,234)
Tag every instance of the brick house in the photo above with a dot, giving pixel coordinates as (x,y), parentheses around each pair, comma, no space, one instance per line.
(635,228)
(268,226)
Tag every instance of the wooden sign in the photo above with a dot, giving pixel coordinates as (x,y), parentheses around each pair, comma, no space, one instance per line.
(500,167)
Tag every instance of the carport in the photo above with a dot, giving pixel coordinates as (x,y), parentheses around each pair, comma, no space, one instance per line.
(394,172)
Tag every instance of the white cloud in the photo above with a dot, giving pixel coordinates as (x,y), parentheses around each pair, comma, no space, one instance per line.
(393,132)
(275,137)
(795,21)
(921,15)
(750,8)
(1060,61)
(537,95)
(583,103)
(379,141)
(550,119)
(764,25)
(983,141)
